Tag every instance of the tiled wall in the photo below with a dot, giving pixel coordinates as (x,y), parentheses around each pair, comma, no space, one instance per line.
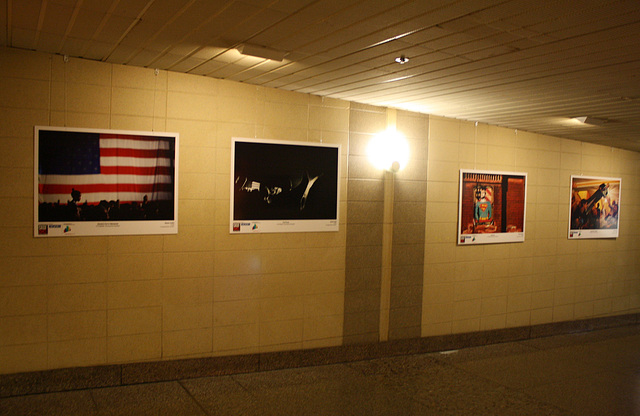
(96,300)
(365,214)
(548,278)
(202,292)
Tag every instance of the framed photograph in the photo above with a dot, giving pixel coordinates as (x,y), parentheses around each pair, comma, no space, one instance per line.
(104,182)
(492,207)
(595,207)
(280,186)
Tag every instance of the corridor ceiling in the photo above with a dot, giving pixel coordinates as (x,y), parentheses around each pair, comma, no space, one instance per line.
(522,64)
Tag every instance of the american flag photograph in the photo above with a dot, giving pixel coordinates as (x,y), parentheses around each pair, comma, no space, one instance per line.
(113,179)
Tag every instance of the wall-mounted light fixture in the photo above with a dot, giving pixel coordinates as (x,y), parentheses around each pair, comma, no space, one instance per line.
(389,150)
(261,52)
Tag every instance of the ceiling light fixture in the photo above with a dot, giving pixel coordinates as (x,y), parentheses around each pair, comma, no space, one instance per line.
(595,121)
(402,60)
(261,52)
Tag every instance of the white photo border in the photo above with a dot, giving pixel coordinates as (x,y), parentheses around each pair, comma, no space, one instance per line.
(577,233)
(249,223)
(466,234)
(66,228)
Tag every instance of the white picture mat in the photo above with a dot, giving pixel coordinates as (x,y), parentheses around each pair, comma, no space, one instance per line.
(281,150)
(581,181)
(68,228)
(471,238)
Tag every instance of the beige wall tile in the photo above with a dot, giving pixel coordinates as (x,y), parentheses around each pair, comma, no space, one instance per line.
(25,357)
(541,316)
(134,244)
(430,330)
(77,325)
(27,329)
(236,339)
(134,321)
(23,300)
(131,101)
(466,325)
(127,122)
(518,302)
(280,333)
(80,352)
(188,264)
(470,289)
(467,309)
(134,294)
(329,118)
(134,348)
(192,85)
(233,313)
(185,106)
(199,212)
(17,181)
(77,297)
(488,323)
(518,319)
(281,309)
(192,238)
(438,293)
(324,304)
(140,78)
(87,98)
(187,291)
(238,110)
(137,266)
(16,152)
(25,64)
(24,93)
(494,306)
(181,317)
(327,327)
(188,342)
(241,287)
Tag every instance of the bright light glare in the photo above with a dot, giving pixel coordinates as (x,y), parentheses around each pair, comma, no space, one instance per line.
(389,150)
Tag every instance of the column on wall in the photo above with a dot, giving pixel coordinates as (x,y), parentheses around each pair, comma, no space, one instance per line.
(384,266)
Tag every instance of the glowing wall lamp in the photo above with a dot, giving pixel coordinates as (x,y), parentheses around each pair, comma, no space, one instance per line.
(389,150)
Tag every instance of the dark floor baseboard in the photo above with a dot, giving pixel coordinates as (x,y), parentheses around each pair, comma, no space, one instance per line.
(146,372)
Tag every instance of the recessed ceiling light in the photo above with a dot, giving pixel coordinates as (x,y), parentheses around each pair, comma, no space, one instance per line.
(402,59)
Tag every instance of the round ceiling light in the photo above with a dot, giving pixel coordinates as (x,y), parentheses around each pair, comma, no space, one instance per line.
(402,59)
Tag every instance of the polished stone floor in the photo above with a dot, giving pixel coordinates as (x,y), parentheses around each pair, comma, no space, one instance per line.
(595,373)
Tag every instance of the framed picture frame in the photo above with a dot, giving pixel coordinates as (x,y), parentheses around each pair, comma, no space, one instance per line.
(96,182)
(492,207)
(281,186)
(594,207)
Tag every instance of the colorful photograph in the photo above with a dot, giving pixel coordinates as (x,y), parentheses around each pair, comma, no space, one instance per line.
(281,186)
(595,207)
(492,207)
(104,182)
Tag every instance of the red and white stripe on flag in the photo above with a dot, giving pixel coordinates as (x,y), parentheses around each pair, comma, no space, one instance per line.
(131,167)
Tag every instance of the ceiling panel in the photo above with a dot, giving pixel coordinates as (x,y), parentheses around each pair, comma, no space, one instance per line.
(514,63)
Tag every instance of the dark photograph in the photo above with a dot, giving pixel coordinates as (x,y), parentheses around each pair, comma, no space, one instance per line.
(275,181)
